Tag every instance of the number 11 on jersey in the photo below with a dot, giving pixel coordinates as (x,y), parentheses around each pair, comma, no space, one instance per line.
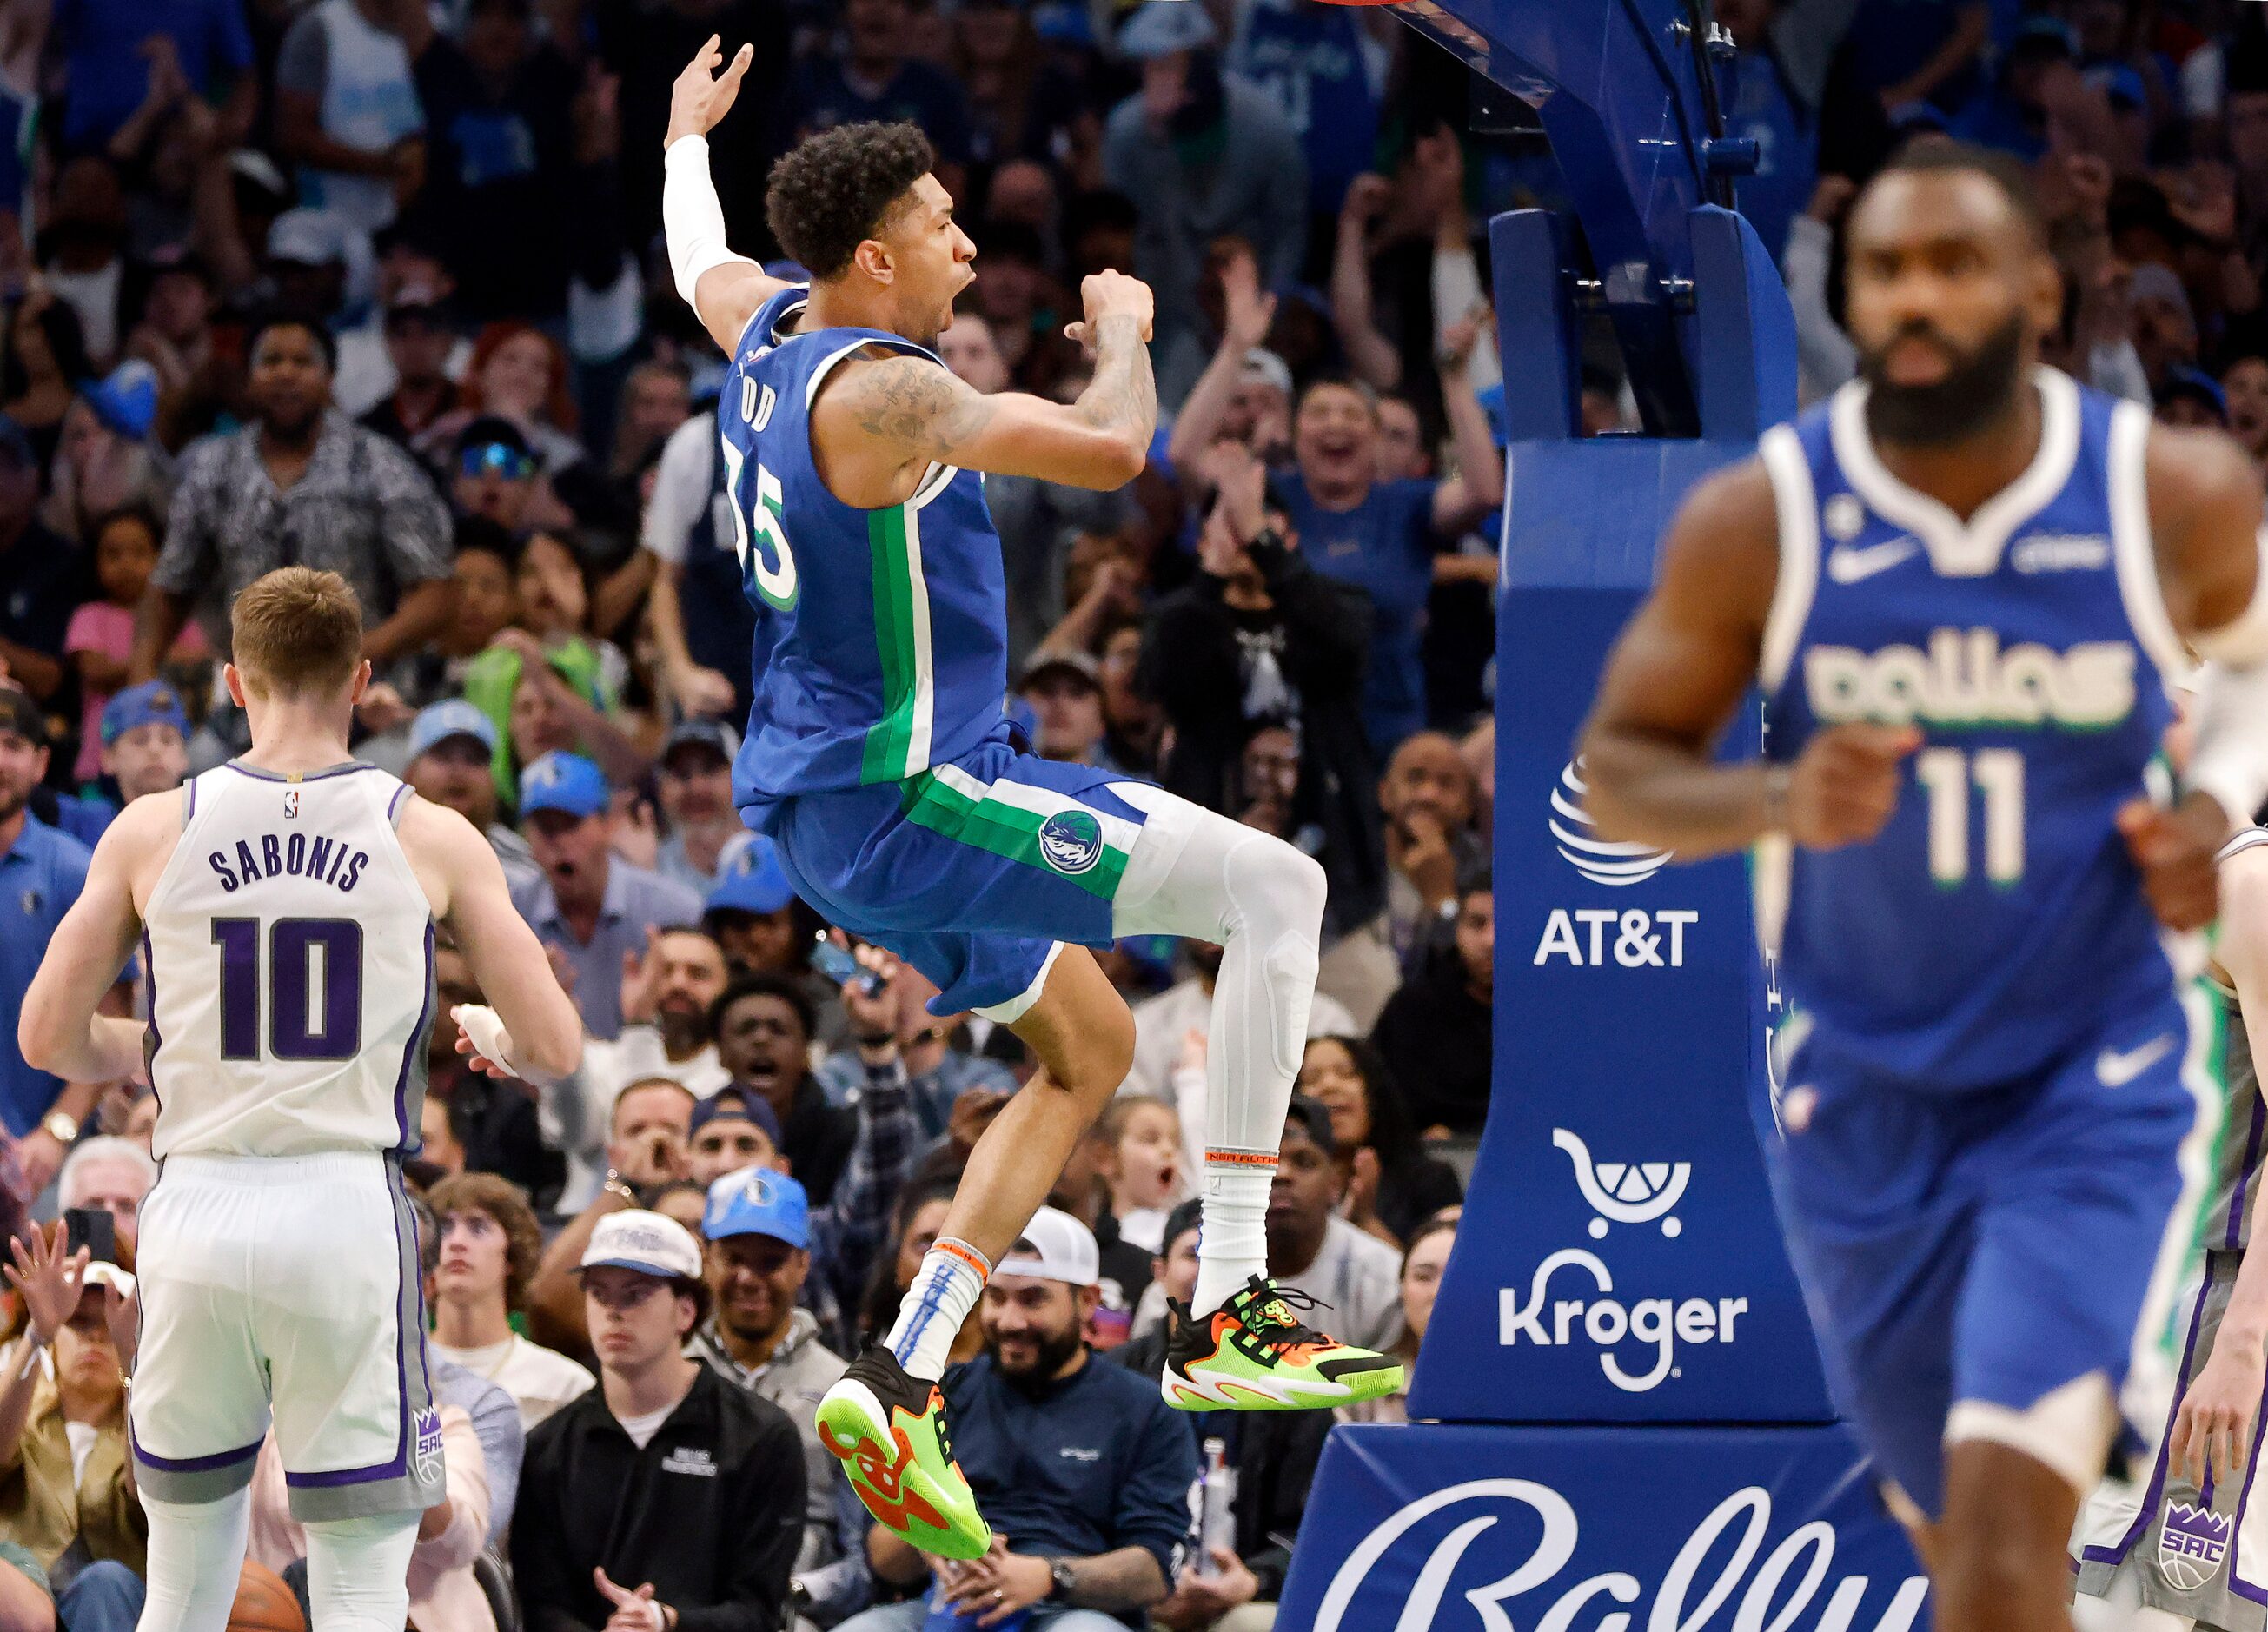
(1998,774)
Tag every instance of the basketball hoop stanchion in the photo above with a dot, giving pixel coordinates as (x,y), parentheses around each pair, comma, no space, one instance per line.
(1626,1417)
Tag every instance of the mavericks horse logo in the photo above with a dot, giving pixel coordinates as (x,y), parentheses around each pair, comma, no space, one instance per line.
(1071,842)
(1625,1192)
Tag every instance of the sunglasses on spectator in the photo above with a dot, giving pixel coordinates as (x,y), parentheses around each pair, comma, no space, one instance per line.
(497,459)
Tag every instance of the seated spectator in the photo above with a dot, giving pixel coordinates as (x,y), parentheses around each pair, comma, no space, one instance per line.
(492,471)
(99,637)
(66,1495)
(757,1227)
(418,342)
(894,1040)
(1391,1183)
(112,1174)
(666,994)
(1311,1249)
(608,1514)
(451,743)
(693,776)
(1274,1455)
(590,904)
(1423,1264)
(1162,1028)
(1141,1166)
(39,571)
(519,374)
(1427,796)
(645,1154)
(547,702)
(492,1123)
(732,1130)
(1435,1033)
(495,1414)
(1173,1275)
(682,1202)
(144,747)
(489,1249)
(763,1023)
(917,1220)
(1094,1538)
(1064,690)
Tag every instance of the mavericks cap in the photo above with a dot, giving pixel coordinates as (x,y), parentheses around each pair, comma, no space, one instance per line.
(563,782)
(731,1104)
(750,881)
(153,702)
(646,1242)
(1054,1246)
(756,1200)
(438,721)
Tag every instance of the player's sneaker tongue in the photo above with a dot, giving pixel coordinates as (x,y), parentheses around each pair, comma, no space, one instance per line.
(890,1431)
(1255,1354)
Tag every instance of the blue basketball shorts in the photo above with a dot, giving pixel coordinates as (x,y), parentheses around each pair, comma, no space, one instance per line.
(1989,1246)
(975,871)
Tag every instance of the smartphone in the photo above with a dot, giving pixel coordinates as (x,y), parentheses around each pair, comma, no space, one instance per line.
(95,1229)
(841,967)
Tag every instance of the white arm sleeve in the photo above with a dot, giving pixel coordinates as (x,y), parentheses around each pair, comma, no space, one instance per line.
(2230,761)
(691,217)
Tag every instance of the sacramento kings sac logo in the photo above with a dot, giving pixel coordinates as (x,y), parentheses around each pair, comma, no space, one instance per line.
(428,1452)
(1072,840)
(2191,1545)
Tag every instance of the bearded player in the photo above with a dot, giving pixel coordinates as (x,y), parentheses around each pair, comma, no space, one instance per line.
(1963,586)
(285,904)
(878,759)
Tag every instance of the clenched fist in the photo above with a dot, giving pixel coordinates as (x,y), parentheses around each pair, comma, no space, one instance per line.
(1846,785)
(1110,295)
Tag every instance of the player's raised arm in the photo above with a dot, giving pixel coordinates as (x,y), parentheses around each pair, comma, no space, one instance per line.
(723,288)
(919,411)
(538,1032)
(59,1031)
(1677,674)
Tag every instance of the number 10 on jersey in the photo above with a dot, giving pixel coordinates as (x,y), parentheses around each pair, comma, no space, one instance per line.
(1947,775)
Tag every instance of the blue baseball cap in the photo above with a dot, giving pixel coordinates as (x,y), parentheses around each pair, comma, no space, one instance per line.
(563,782)
(438,721)
(732,1104)
(153,702)
(125,400)
(756,1200)
(751,880)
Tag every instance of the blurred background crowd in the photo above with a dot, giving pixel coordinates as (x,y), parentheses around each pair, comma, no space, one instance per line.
(375,285)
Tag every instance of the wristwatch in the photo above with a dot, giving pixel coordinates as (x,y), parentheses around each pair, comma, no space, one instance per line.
(60,1126)
(1062,1580)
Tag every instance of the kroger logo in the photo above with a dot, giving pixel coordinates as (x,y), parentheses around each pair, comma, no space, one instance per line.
(1601,861)
(1791,1578)
(1607,1323)
(1626,1193)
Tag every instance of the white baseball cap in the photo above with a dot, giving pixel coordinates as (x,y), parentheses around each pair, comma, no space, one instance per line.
(1054,1246)
(648,1243)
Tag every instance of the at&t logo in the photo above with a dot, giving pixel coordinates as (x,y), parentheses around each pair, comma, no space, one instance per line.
(1601,861)
(1781,1594)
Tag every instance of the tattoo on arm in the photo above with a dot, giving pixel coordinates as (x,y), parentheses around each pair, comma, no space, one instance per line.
(1127,1578)
(913,403)
(1122,394)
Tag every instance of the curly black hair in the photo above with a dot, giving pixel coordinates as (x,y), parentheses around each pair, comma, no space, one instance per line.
(838,190)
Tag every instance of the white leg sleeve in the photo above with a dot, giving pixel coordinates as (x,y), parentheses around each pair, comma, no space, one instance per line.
(359,1572)
(197,1553)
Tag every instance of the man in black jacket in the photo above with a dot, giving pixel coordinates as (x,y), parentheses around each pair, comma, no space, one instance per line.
(1259,635)
(666,1499)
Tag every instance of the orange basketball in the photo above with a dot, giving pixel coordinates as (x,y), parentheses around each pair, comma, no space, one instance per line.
(263,1603)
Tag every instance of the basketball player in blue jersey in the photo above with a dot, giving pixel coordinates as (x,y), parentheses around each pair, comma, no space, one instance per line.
(1963,586)
(879,760)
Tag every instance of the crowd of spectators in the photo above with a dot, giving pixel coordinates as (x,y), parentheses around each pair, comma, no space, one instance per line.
(375,285)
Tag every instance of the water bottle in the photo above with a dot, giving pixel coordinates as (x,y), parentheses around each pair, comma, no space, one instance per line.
(1216,1507)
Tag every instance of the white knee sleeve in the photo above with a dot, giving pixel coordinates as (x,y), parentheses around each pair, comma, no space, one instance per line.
(359,1572)
(197,1553)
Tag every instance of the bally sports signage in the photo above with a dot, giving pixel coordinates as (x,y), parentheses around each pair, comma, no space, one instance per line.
(1665,1530)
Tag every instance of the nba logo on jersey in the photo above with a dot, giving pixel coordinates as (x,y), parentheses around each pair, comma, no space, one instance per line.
(292,803)
(429,1446)
(2191,1547)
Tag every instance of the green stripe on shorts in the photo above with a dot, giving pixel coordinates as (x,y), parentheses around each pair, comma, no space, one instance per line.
(890,737)
(1006,830)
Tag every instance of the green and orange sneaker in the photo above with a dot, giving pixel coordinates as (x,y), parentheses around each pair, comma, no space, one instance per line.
(890,1431)
(1255,1354)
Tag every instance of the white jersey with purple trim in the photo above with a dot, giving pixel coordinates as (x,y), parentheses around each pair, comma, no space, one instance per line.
(289,947)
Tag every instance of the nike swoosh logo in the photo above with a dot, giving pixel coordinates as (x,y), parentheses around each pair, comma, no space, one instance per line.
(1846,565)
(2117,1068)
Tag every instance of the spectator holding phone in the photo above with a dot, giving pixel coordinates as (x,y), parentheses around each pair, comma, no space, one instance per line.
(74,1509)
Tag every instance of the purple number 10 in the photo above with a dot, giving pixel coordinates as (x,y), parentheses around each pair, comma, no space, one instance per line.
(336,1035)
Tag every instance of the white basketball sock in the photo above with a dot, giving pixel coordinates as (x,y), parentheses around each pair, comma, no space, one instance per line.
(197,1553)
(359,1572)
(951,1280)
(1194,872)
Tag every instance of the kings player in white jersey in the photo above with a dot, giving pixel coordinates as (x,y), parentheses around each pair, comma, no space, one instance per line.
(286,905)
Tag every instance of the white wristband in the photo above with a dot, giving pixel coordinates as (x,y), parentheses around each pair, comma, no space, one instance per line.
(490,1040)
(691,217)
